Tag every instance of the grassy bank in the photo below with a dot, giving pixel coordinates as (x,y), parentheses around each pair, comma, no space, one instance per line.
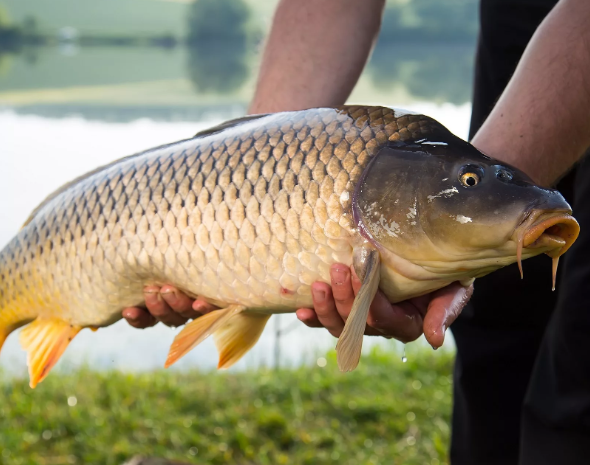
(384,412)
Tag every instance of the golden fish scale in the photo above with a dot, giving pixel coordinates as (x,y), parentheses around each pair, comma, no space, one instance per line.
(251,215)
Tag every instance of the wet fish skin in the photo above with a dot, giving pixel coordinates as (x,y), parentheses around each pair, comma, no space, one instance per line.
(236,217)
(246,215)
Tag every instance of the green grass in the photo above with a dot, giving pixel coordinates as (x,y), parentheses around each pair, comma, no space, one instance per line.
(384,412)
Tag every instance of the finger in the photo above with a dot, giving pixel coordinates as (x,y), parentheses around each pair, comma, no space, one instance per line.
(158,307)
(355,280)
(308,317)
(139,317)
(445,306)
(325,308)
(179,302)
(379,305)
(342,291)
(401,321)
(202,307)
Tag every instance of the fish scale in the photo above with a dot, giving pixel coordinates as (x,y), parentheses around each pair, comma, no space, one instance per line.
(251,215)
(247,215)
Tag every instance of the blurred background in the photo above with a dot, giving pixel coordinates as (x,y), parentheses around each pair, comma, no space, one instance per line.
(85,82)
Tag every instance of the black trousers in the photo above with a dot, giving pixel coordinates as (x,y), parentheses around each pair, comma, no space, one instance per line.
(522,373)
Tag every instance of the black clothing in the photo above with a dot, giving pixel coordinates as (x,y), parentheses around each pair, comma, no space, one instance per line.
(518,343)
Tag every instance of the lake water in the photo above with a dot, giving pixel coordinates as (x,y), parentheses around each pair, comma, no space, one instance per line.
(64,111)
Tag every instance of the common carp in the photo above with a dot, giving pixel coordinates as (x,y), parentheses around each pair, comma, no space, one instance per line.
(247,215)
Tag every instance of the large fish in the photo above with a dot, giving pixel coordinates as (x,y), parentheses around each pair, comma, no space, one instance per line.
(249,214)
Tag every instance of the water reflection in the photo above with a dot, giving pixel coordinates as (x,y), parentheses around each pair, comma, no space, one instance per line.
(125,83)
(218,67)
(219,41)
(440,73)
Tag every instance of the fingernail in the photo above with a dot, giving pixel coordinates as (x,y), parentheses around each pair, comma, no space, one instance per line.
(339,275)
(318,295)
(128,317)
(198,307)
(170,294)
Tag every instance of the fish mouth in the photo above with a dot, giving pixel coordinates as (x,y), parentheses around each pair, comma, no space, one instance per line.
(557,232)
(554,231)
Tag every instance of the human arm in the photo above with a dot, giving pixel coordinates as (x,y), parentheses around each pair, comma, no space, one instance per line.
(541,123)
(315,53)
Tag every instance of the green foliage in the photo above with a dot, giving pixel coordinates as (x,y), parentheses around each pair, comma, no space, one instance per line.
(218,41)
(438,73)
(218,66)
(218,19)
(428,20)
(384,412)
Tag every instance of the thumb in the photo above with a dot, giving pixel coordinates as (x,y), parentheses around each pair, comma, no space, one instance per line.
(444,308)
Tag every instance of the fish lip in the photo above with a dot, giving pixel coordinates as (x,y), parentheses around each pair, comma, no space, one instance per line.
(555,230)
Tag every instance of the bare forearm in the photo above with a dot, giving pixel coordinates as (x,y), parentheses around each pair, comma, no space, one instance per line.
(541,124)
(315,53)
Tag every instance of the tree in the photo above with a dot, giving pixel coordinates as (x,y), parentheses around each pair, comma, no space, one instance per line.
(218,43)
(225,20)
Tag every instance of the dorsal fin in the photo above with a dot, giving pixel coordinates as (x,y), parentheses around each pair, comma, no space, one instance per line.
(229,124)
(199,135)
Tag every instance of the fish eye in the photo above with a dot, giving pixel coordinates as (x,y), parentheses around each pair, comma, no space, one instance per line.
(470,175)
(469,179)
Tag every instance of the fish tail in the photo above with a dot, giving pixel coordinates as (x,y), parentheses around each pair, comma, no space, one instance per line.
(44,340)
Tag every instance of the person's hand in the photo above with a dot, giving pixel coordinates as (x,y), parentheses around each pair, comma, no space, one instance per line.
(166,304)
(430,314)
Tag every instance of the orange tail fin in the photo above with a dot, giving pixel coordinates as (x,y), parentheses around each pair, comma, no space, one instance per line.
(45,340)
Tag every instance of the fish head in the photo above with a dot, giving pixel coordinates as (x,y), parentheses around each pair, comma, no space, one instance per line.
(440,205)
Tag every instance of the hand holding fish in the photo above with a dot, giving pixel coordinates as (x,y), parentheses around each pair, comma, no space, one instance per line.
(254,214)
(405,321)
(167,305)
(430,314)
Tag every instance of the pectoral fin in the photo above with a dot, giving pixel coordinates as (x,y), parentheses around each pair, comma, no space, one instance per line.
(238,336)
(45,341)
(198,330)
(366,264)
